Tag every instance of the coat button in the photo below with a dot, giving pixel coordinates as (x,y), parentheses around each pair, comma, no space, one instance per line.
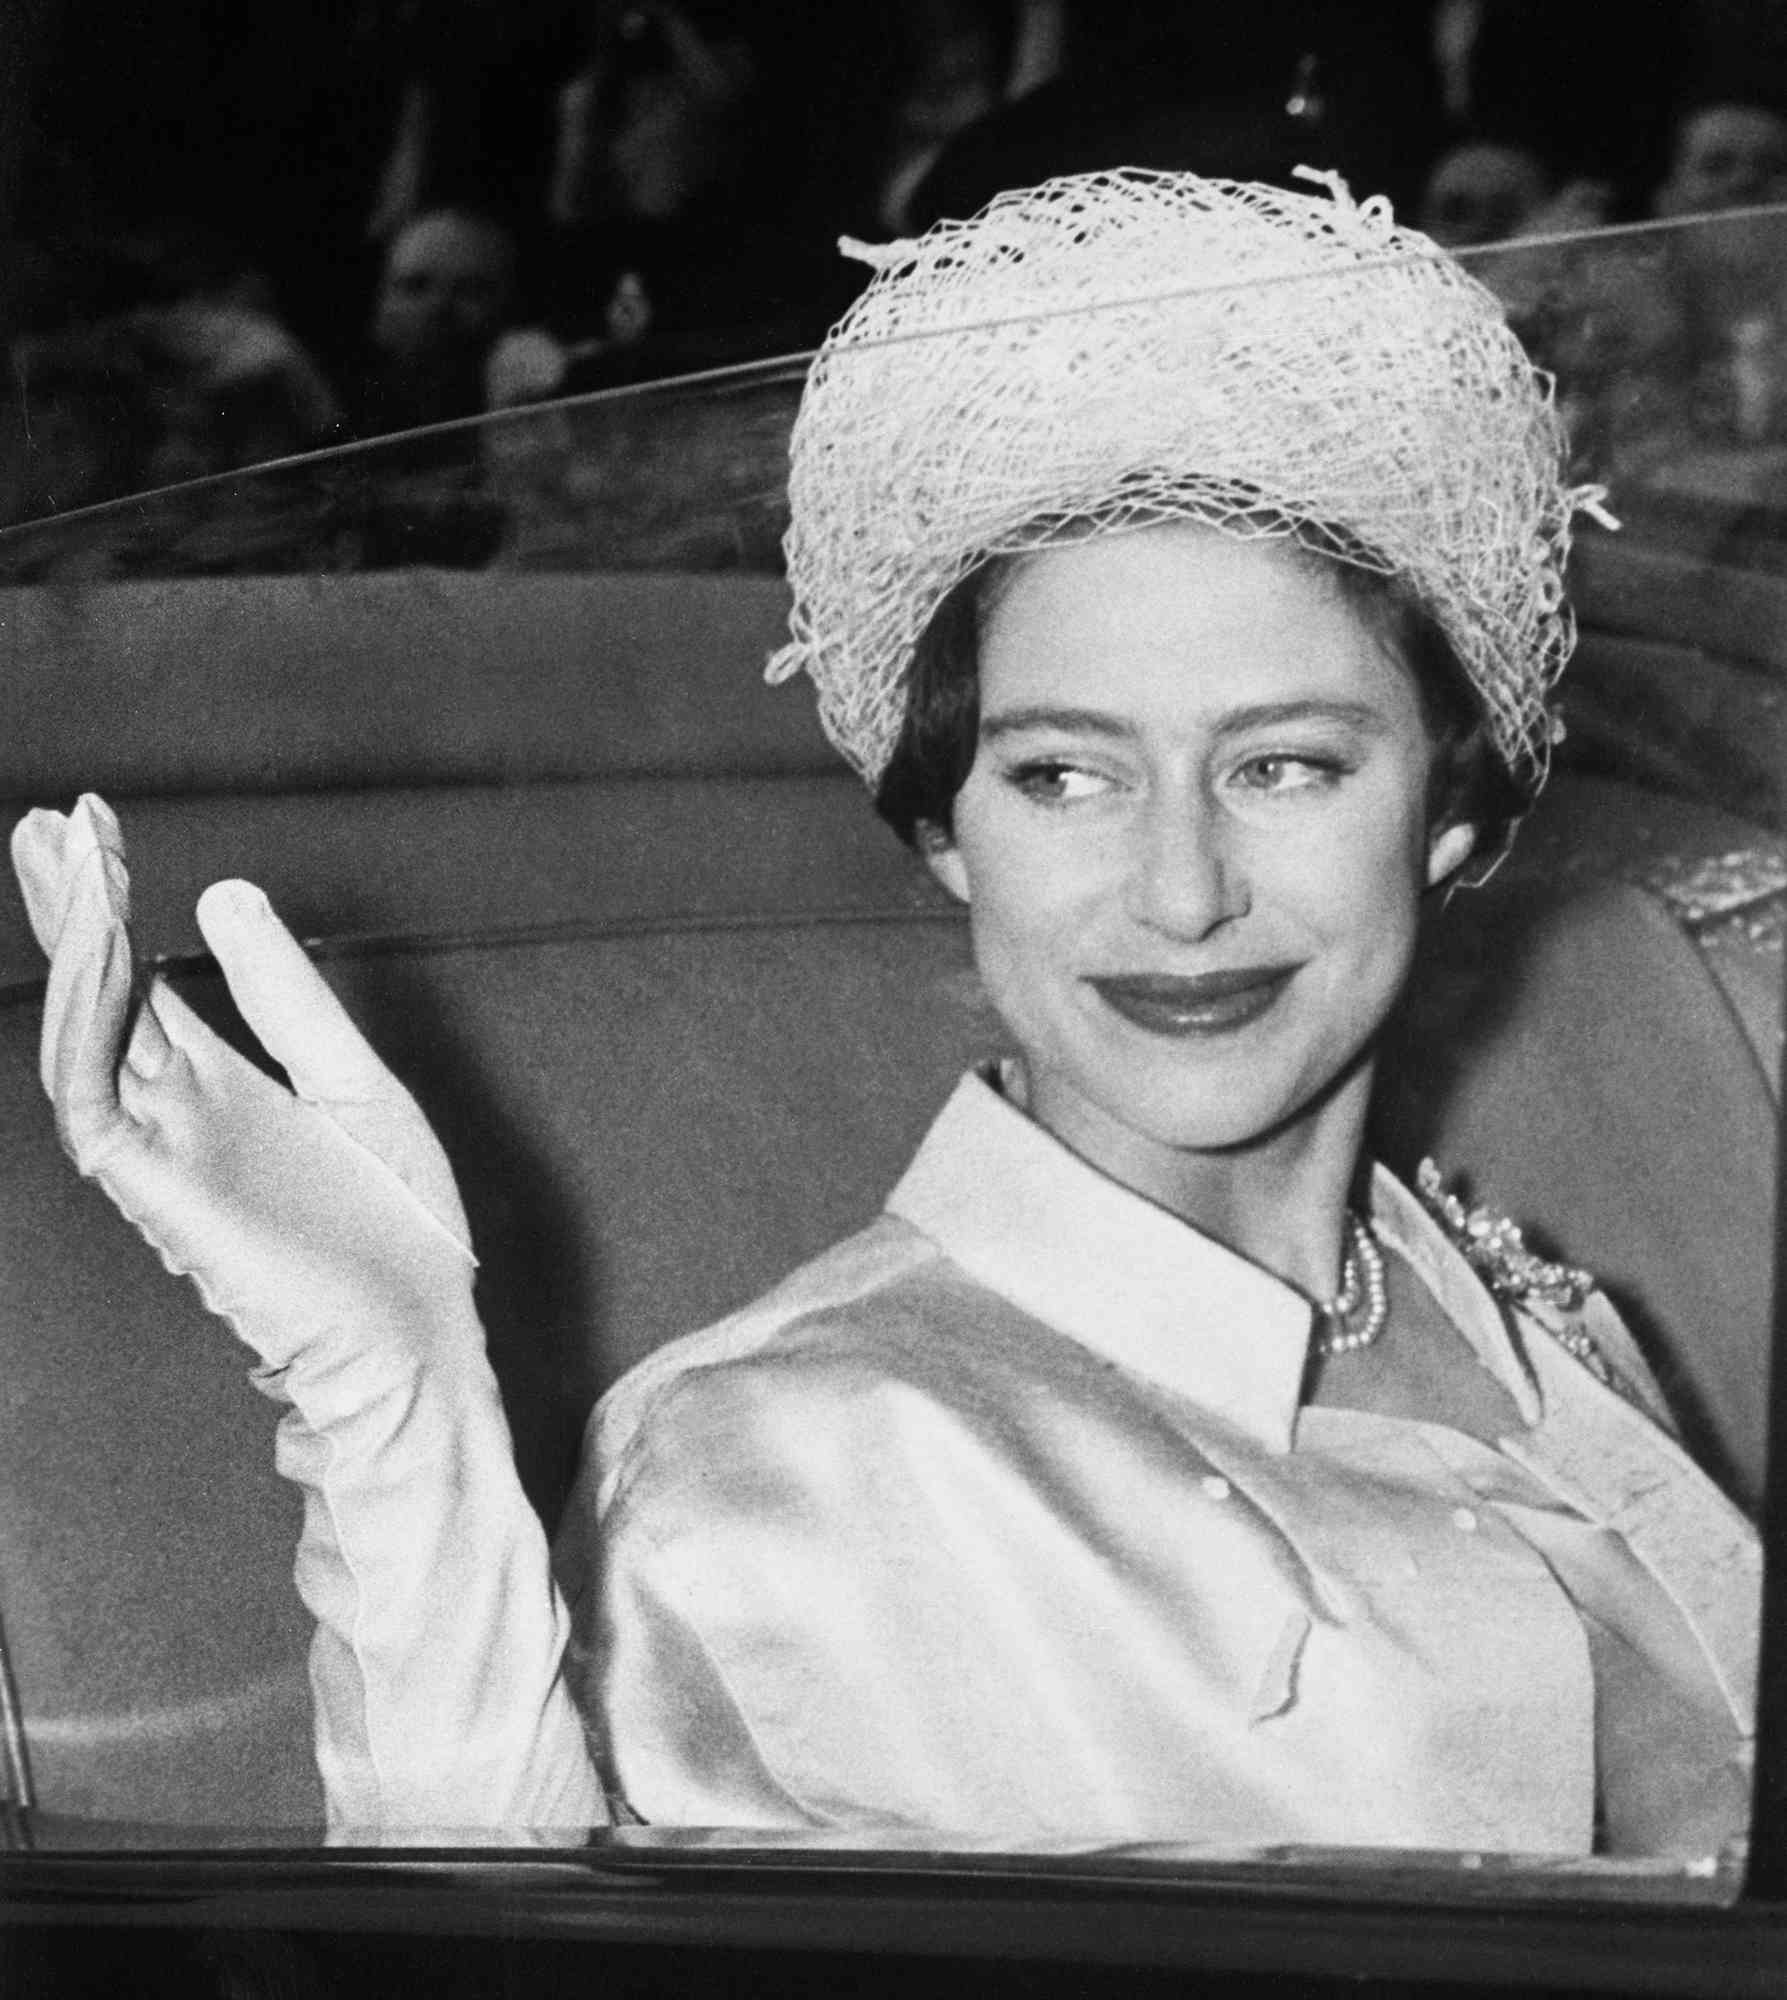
(1216,1486)
(1465,1518)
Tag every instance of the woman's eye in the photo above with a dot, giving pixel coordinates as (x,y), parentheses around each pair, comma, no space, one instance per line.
(1053,782)
(1289,771)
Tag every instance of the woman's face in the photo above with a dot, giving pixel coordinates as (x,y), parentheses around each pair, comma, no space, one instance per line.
(1193,840)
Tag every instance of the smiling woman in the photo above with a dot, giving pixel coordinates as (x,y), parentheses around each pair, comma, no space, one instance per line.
(1157,1466)
(1194,883)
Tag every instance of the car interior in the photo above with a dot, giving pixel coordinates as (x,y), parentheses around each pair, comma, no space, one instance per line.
(495,742)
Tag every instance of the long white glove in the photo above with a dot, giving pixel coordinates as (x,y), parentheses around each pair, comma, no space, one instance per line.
(323,1223)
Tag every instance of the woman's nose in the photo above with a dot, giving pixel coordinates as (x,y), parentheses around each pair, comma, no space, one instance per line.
(1186,878)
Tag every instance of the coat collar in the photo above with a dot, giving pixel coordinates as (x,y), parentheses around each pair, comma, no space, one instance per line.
(1029,1219)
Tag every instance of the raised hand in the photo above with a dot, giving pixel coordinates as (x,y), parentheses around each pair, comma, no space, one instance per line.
(328,1208)
(323,1223)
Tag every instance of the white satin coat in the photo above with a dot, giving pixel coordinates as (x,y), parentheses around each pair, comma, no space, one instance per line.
(1003,1518)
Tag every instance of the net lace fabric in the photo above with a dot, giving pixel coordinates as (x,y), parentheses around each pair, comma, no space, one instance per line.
(1118,350)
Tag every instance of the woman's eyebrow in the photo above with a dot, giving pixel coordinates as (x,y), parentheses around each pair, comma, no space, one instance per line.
(1267,714)
(1044,715)
(1363,715)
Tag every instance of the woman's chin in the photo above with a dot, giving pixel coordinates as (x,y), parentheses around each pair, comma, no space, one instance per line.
(1197,1098)
(1115,1129)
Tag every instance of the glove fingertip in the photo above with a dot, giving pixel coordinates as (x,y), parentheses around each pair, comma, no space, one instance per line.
(100,820)
(37,838)
(150,1048)
(184,1030)
(37,862)
(232,909)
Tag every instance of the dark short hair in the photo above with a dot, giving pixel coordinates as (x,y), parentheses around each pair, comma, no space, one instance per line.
(940,729)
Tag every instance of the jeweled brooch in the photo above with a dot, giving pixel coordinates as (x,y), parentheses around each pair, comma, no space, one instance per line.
(1495,1249)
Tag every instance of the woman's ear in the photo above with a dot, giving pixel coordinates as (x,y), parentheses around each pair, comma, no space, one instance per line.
(943,858)
(1448,849)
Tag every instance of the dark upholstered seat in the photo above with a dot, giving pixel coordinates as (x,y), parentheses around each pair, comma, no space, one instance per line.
(679,1029)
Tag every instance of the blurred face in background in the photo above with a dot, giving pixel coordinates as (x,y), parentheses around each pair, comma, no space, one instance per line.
(1482,194)
(1726,156)
(447,289)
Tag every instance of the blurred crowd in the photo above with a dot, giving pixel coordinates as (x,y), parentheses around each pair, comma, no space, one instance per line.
(447,206)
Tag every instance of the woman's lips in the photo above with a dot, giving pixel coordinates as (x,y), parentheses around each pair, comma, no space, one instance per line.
(1212,1003)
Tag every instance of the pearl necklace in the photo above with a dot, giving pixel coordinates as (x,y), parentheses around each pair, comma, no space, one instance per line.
(1361,1281)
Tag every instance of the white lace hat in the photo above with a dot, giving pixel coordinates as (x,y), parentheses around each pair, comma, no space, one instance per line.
(1120,349)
